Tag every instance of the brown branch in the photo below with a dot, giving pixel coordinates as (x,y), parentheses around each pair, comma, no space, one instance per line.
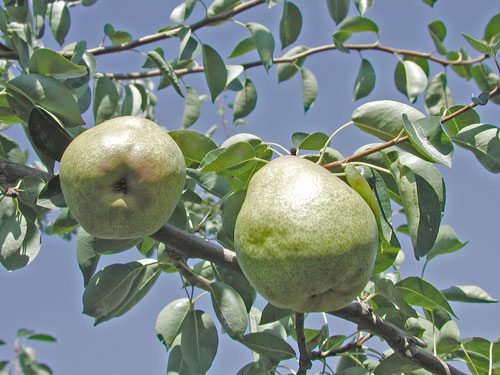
(395,141)
(407,346)
(311,51)
(304,355)
(157,36)
(343,349)
(180,265)
(191,246)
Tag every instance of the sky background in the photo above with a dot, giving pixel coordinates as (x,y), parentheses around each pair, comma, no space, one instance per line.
(46,295)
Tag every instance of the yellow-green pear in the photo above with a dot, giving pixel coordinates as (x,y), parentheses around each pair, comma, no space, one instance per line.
(122,178)
(304,238)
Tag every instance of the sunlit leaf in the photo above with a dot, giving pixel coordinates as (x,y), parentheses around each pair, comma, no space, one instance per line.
(264,42)
(309,88)
(215,71)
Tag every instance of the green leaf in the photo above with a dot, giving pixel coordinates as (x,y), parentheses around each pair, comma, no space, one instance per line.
(356,180)
(422,192)
(365,81)
(262,366)
(47,62)
(272,313)
(315,141)
(105,99)
(454,125)
(176,363)
(132,102)
(209,181)
(182,11)
(338,9)
(437,95)
(437,29)
(410,79)
(418,292)
(467,293)
(144,280)
(170,319)
(39,12)
(244,46)
(290,24)
(229,308)
(268,345)
(20,238)
(477,45)
(363,6)
(239,283)
(116,36)
(394,364)
(87,259)
(462,70)
(194,145)
(288,70)
(388,289)
(105,246)
(51,196)
(42,337)
(192,108)
(245,100)
(59,20)
(230,210)
(166,70)
(351,25)
(48,93)
(477,352)
(492,28)
(215,71)
(448,338)
(199,341)
(47,135)
(309,88)
(484,142)
(446,242)
(264,42)
(429,139)
(383,119)
(232,157)
(219,6)
(108,288)
(10,150)
(65,222)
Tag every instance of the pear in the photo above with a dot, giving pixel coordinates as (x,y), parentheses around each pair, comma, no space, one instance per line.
(304,238)
(122,178)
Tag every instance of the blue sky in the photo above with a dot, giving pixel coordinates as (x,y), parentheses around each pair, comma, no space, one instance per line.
(46,295)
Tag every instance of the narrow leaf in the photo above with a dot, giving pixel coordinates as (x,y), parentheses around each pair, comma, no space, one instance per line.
(365,81)
(245,100)
(429,139)
(199,341)
(484,142)
(166,70)
(467,293)
(418,292)
(290,24)
(338,9)
(264,42)
(229,308)
(215,71)
(309,88)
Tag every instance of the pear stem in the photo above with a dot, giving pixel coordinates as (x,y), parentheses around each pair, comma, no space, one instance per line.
(304,359)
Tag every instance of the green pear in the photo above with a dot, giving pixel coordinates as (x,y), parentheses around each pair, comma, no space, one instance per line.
(122,178)
(304,238)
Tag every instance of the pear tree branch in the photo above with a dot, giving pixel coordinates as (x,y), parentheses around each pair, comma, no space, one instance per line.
(311,51)
(397,140)
(191,246)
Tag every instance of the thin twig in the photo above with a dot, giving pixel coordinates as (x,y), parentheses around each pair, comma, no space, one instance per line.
(308,52)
